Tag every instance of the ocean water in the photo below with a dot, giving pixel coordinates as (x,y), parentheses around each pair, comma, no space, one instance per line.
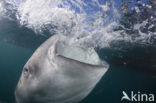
(12,60)
(122,33)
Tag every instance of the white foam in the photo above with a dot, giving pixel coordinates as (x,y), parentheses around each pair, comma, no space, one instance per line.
(42,15)
(1,9)
(80,26)
(37,14)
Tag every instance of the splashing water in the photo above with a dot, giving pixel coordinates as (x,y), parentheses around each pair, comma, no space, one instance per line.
(1,9)
(87,23)
(73,19)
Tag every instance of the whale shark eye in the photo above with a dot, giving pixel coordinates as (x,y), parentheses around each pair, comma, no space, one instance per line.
(26,71)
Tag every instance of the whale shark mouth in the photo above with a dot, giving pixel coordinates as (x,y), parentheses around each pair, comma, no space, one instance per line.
(85,55)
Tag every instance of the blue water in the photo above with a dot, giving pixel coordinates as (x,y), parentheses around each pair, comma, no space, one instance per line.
(12,60)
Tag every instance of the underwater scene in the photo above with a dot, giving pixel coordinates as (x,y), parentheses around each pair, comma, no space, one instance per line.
(121,35)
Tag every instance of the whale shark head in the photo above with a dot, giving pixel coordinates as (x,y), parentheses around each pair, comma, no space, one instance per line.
(59,73)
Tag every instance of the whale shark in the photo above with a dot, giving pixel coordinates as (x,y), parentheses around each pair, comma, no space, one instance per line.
(59,73)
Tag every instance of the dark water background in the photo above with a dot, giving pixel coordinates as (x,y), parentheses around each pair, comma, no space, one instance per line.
(12,59)
(108,90)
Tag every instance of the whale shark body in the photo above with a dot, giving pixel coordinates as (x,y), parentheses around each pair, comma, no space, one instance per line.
(59,73)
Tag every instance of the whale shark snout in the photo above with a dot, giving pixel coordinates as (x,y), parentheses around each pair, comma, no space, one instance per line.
(59,73)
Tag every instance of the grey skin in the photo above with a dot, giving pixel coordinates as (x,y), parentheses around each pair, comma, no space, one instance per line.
(48,77)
